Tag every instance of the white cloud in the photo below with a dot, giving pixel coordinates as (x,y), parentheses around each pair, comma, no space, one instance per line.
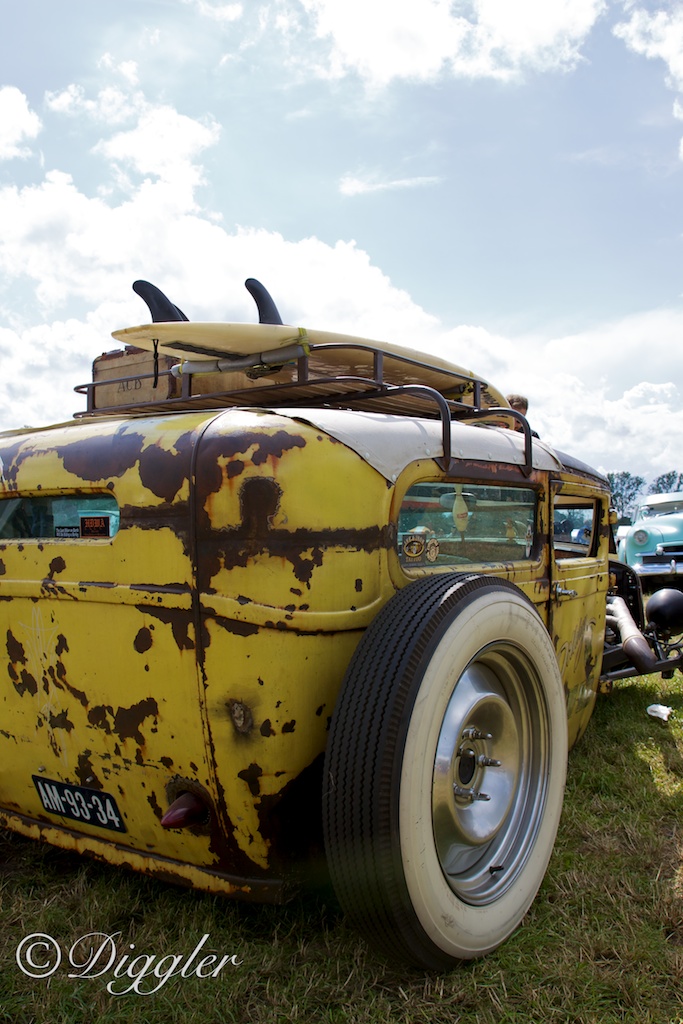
(70,246)
(539,34)
(62,240)
(658,35)
(110,106)
(644,346)
(47,362)
(128,69)
(386,39)
(199,265)
(641,431)
(17,123)
(164,143)
(351,186)
(223,13)
(383,40)
(607,395)
(73,246)
(304,279)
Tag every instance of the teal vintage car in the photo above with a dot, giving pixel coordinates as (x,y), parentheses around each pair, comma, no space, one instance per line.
(653,545)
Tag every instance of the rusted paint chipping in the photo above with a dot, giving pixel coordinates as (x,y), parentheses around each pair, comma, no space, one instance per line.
(164,473)
(127,721)
(57,565)
(251,776)
(60,721)
(256,535)
(100,457)
(221,448)
(21,678)
(157,809)
(179,619)
(15,649)
(12,457)
(99,717)
(85,773)
(143,640)
(236,627)
(103,457)
(124,722)
(259,501)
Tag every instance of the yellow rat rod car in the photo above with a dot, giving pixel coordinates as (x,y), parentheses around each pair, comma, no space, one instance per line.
(280,598)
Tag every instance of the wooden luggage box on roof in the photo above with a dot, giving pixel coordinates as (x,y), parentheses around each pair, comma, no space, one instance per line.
(132,377)
(131,372)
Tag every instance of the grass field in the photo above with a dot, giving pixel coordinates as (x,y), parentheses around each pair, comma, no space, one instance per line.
(602,943)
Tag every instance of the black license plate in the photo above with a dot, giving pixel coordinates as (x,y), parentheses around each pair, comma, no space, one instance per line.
(90,806)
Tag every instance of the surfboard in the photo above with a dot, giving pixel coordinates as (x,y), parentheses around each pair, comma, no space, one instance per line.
(191,339)
(330,355)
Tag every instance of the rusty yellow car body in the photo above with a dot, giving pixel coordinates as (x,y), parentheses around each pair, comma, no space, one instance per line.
(204,645)
(186,588)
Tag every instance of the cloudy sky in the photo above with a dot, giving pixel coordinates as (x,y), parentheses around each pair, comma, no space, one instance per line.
(498,182)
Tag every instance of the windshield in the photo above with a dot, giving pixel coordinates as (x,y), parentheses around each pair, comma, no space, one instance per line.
(663,509)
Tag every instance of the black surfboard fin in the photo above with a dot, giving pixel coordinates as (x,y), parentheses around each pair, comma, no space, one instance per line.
(161,308)
(267,310)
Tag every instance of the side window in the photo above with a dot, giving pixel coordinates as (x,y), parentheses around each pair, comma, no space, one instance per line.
(574,531)
(63,517)
(452,524)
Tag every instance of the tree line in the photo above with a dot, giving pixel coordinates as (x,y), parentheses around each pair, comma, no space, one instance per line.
(627,488)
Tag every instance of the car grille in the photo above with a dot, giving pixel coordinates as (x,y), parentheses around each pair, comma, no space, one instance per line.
(668,552)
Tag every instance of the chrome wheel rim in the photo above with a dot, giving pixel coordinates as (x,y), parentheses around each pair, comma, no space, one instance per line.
(490,773)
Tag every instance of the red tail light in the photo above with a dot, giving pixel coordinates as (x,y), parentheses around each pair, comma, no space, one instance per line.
(186,810)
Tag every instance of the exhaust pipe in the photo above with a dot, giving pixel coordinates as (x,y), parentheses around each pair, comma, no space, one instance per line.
(634,644)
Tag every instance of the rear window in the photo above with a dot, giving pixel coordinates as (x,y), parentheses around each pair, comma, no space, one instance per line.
(452,524)
(62,517)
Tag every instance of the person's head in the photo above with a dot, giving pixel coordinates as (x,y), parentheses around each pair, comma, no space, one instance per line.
(519,403)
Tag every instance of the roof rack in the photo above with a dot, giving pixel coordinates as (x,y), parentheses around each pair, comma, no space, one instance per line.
(378,381)
(305,370)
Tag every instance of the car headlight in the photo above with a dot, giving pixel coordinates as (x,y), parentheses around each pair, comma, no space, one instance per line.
(641,536)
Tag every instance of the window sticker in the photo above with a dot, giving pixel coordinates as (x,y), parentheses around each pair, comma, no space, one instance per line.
(95,526)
